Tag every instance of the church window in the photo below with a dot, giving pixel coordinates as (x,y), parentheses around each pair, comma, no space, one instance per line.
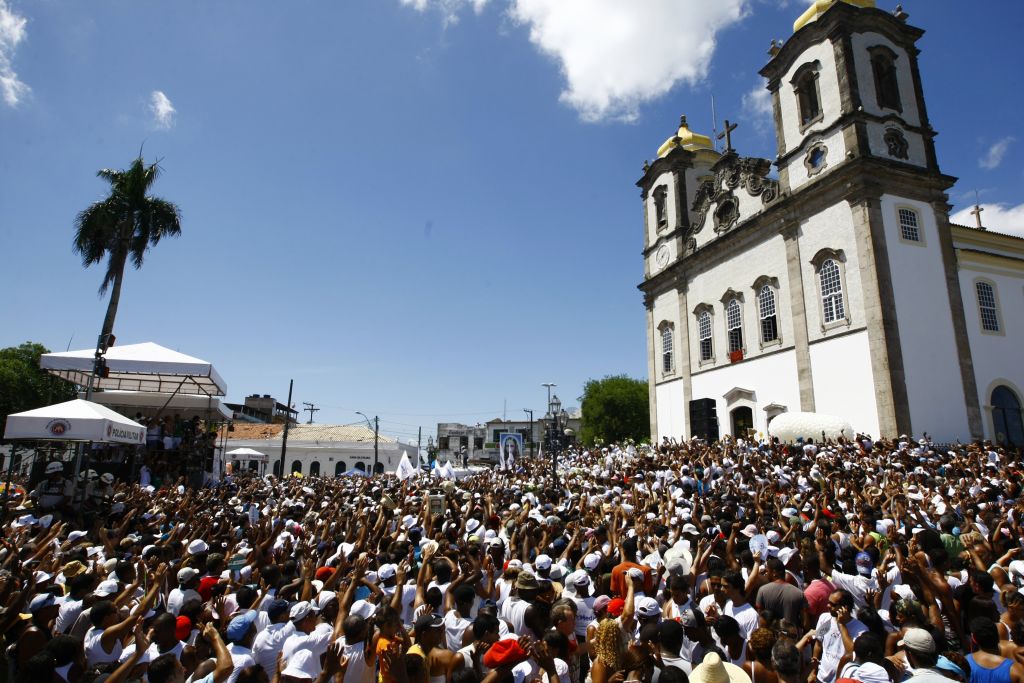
(734,322)
(987,306)
(910,230)
(887,85)
(808,95)
(707,348)
(831,291)
(666,348)
(769,318)
(660,195)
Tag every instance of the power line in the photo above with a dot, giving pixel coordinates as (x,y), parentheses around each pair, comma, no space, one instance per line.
(310,408)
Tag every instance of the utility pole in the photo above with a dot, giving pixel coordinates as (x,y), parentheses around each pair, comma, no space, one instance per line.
(287,423)
(530,413)
(310,408)
(376,438)
(419,444)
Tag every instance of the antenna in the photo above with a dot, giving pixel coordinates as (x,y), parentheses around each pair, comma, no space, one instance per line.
(714,124)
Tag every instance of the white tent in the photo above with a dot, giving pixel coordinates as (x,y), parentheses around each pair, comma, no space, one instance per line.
(247,455)
(138,367)
(76,420)
(185,405)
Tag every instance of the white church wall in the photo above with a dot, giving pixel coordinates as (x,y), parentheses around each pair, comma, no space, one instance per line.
(831,228)
(835,146)
(998,356)
(930,356)
(866,78)
(771,378)
(739,273)
(842,379)
(915,145)
(828,87)
(672,412)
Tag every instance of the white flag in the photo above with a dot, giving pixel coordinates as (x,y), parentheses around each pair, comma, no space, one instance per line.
(501,457)
(405,470)
(448,472)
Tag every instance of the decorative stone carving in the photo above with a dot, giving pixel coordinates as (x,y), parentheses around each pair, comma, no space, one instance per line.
(816,159)
(896,143)
(726,213)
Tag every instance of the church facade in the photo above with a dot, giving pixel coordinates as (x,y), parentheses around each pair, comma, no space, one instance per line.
(839,287)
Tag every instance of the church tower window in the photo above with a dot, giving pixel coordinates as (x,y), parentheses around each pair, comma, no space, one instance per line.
(660,195)
(707,348)
(831,291)
(666,348)
(887,85)
(767,311)
(808,95)
(987,306)
(910,230)
(734,323)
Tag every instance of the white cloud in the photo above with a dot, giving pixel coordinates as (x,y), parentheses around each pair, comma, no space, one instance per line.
(162,109)
(997,217)
(995,154)
(757,107)
(449,9)
(12,32)
(617,55)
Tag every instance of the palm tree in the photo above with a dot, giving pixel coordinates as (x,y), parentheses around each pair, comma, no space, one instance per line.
(124,224)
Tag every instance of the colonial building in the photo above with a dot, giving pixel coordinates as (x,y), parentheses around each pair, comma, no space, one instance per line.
(839,286)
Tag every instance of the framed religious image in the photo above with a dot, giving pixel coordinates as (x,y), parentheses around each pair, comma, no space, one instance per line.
(511,446)
(436,504)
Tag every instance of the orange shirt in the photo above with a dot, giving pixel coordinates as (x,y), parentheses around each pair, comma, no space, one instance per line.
(385,674)
(619,578)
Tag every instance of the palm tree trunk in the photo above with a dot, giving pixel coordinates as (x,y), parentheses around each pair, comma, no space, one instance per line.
(115,295)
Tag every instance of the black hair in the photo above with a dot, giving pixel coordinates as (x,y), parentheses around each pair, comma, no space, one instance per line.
(464,593)
(161,669)
(245,596)
(484,624)
(40,667)
(101,610)
(726,627)
(785,658)
(670,634)
(984,632)
(869,647)
(64,648)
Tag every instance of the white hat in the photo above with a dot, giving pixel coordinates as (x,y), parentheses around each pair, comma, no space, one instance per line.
(55,467)
(301,610)
(75,535)
(592,561)
(197,546)
(187,574)
(786,554)
(690,529)
(646,607)
(408,521)
(323,598)
(387,571)
(107,478)
(108,587)
(472,525)
(302,665)
(542,562)
(578,578)
(362,608)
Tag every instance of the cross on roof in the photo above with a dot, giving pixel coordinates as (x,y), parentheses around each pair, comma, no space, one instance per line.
(977,211)
(727,134)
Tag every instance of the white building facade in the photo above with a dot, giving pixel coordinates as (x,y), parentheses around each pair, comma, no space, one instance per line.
(841,287)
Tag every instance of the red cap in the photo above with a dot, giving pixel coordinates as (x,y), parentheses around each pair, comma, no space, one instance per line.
(324,573)
(182,628)
(504,653)
(616,606)
(206,585)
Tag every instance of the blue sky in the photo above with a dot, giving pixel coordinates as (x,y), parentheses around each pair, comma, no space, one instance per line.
(421,209)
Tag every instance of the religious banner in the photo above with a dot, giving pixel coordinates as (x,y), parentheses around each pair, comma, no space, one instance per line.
(405,469)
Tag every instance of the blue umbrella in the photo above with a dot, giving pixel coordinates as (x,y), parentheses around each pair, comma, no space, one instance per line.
(360,473)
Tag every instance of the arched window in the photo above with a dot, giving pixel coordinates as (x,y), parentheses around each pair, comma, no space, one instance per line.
(1007,418)
(378,468)
(314,468)
(887,85)
(734,324)
(987,306)
(360,466)
(707,348)
(297,466)
(767,312)
(277,469)
(666,348)
(831,291)
(808,96)
(339,468)
(910,229)
(661,214)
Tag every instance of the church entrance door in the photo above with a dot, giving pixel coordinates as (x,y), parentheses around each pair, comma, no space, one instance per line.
(1007,418)
(742,421)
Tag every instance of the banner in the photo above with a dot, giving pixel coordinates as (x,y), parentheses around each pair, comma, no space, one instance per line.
(405,469)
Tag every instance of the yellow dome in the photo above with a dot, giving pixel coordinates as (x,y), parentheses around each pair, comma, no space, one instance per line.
(686,139)
(819,7)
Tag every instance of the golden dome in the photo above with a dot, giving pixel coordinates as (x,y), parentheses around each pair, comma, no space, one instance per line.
(686,139)
(819,7)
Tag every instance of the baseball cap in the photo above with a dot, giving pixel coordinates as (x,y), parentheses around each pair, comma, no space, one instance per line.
(601,602)
(108,587)
(592,561)
(864,564)
(428,621)
(41,601)
(646,607)
(918,640)
(187,574)
(542,562)
(54,467)
(504,653)
(749,531)
(276,608)
(301,610)
(197,546)
(239,627)
(689,528)
(387,571)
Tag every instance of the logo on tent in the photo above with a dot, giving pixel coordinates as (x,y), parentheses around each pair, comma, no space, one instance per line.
(58,427)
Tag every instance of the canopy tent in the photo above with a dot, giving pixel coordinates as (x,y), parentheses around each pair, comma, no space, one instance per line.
(75,420)
(185,405)
(247,455)
(138,367)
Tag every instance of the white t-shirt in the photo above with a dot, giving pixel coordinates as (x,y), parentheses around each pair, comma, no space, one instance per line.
(94,652)
(269,643)
(745,615)
(241,657)
(857,585)
(455,627)
(316,642)
(832,649)
(179,597)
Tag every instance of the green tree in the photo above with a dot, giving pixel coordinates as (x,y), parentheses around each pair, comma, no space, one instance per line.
(614,409)
(23,386)
(125,224)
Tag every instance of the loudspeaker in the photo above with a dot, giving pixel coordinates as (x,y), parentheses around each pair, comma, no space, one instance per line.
(702,408)
(706,429)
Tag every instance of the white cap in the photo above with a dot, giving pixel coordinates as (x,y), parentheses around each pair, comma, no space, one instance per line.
(542,562)
(107,478)
(387,571)
(54,467)
(300,611)
(108,587)
(197,546)
(646,607)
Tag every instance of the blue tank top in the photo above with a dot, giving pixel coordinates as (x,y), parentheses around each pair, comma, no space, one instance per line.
(981,674)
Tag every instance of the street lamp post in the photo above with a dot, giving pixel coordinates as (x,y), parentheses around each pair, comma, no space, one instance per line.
(530,413)
(555,430)
(376,438)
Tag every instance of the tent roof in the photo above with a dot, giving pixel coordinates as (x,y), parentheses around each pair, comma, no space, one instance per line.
(185,405)
(75,420)
(138,367)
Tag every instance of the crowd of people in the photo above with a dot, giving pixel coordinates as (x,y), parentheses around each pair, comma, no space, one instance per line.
(732,562)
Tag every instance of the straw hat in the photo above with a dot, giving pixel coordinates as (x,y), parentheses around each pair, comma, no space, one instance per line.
(714,670)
